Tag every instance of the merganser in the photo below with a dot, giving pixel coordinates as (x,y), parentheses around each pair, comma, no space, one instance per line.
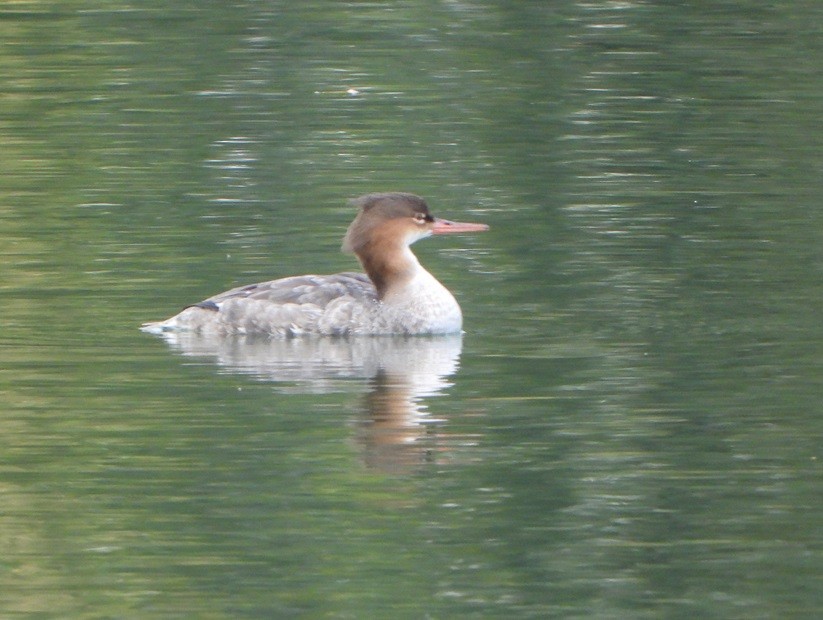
(396,295)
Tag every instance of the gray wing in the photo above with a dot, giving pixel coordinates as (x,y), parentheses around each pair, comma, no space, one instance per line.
(315,290)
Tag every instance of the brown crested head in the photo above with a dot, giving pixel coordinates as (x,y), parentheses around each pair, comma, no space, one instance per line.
(381,209)
(384,228)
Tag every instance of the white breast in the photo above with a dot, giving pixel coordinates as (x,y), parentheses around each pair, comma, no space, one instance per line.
(423,306)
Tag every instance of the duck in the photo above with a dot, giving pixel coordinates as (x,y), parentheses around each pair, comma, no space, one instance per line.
(395,296)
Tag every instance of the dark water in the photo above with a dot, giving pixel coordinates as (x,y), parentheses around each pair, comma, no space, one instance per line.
(631,425)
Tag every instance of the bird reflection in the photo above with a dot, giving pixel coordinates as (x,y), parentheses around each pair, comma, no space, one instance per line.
(393,426)
(395,433)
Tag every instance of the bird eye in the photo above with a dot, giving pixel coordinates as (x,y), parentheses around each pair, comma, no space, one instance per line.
(420,218)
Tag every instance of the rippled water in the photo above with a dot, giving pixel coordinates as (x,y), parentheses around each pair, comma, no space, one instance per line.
(630,426)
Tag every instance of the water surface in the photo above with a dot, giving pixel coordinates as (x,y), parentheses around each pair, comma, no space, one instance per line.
(630,426)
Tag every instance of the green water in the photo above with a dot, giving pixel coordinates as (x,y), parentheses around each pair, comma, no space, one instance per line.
(631,425)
